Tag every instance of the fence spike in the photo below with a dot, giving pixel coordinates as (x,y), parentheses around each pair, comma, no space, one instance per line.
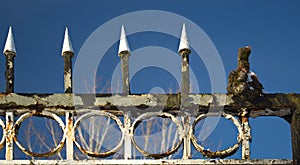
(9,47)
(67,45)
(184,51)
(124,53)
(184,45)
(123,46)
(10,53)
(67,53)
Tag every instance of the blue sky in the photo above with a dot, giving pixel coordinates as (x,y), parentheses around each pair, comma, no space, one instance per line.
(270,27)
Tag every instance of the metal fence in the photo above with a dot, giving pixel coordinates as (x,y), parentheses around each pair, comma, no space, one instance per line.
(127,111)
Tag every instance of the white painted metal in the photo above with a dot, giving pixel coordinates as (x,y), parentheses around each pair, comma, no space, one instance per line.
(9,136)
(69,136)
(147,161)
(67,44)
(184,43)
(123,46)
(127,138)
(9,44)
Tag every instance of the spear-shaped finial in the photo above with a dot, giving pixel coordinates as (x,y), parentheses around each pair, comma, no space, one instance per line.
(123,46)
(10,53)
(9,44)
(124,53)
(184,46)
(184,50)
(67,45)
(67,53)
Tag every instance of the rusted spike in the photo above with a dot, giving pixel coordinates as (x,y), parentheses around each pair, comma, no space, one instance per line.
(184,50)
(124,53)
(10,53)
(67,53)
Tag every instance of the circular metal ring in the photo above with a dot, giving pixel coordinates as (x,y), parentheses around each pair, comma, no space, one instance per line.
(3,132)
(223,153)
(101,154)
(157,114)
(39,114)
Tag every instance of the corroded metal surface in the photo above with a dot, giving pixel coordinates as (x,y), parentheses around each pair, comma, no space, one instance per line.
(186,121)
(68,71)
(295,130)
(163,115)
(280,105)
(142,107)
(127,137)
(10,53)
(246,136)
(223,153)
(9,73)
(153,162)
(2,142)
(25,116)
(99,154)
(185,76)
(69,135)
(8,133)
(125,72)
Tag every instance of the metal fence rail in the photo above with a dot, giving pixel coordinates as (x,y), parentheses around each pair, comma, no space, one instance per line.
(72,106)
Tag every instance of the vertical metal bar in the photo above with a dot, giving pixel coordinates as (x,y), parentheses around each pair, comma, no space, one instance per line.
(186,141)
(9,73)
(246,138)
(127,139)
(185,82)
(295,131)
(185,51)
(9,136)
(68,72)
(69,136)
(125,73)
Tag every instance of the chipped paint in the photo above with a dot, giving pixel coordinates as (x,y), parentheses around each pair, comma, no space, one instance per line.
(99,154)
(130,100)
(124,55)
(217,154)
(23,117)
(246,136)
(67,55)
(16,99)
(280,105)
(187,153)
(9,134)
(2,142)
(157,114)
(69,135)
(9,73)
(127,137)
(147,161)
(51,105)
(295,130)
